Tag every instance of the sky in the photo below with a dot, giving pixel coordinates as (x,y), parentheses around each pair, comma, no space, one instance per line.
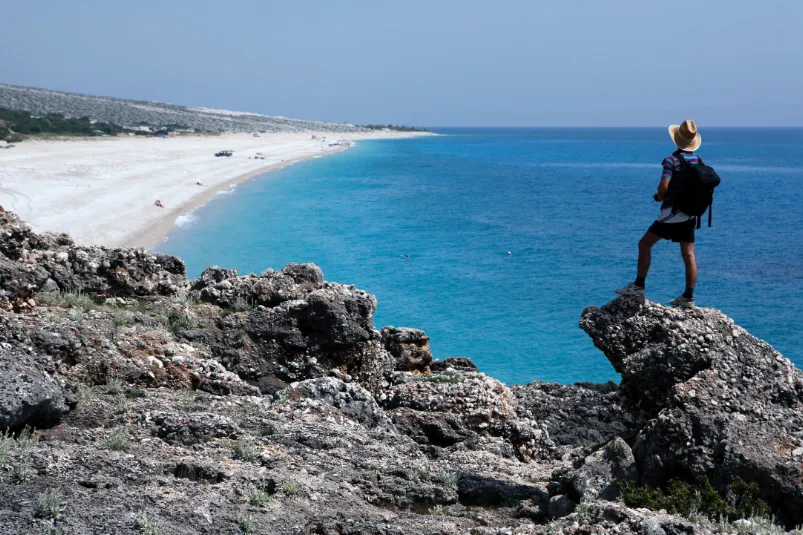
(425,63)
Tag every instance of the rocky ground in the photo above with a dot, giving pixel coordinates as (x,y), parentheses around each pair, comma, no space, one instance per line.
(133,400)
(134,112)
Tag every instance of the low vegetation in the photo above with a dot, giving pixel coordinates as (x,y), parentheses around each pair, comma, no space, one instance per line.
(699,497)
(147,525)
(67,299)
(117,440)
(258,497)
(22,122)
(245,451)
(395,128)
(50,503)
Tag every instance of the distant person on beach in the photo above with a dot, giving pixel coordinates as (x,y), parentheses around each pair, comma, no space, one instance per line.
(675,191)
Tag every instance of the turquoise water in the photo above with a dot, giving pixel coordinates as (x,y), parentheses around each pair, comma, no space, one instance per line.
(569,204)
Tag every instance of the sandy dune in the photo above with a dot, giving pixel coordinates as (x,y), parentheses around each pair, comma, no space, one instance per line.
(102,191)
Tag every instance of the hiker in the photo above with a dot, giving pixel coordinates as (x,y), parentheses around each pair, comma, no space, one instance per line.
(685,192)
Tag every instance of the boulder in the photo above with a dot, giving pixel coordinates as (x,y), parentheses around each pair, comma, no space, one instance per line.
(716,401)
(29,396)
(352,400)
(410,348)
(560,506)
(602,471)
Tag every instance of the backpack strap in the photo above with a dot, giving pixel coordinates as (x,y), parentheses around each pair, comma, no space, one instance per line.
(710,211)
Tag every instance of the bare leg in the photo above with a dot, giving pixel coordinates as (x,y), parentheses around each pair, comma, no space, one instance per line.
(645,252)
(687,251)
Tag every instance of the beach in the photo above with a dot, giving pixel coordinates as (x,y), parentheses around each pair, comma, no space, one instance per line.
(102,191)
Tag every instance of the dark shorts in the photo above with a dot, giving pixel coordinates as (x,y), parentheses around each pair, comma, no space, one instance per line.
(677,232)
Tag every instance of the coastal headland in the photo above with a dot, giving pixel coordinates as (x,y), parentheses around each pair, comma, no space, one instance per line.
(134,400)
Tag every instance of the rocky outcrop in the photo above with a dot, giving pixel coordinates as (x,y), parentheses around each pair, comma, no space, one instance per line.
(31,262)
(351,400)
(410,348)
(583,414)
(214,405)
(717,401)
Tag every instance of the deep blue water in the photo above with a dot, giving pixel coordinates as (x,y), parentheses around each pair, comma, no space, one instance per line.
(570,204)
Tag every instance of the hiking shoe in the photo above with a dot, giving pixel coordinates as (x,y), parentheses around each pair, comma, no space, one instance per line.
(632,289)
(682,302)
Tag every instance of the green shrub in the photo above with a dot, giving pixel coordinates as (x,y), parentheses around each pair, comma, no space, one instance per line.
(117,440)
(146,524)
(23,122)
(49,503)
(23,470)
(114,386)
(248,525)
(290,488)
(178,321)
(67,299)
(245,451)
(6,442)
(27,439)
(258,497)
(83,392)
(741,499)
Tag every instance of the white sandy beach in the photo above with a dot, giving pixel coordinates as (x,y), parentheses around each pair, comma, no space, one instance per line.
(102,190)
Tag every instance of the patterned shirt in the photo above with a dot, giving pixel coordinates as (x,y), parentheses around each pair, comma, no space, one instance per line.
(671,166)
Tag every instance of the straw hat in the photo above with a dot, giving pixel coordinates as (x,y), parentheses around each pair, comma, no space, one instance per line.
(686,136)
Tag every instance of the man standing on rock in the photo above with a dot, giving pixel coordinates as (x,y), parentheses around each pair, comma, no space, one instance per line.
(672,224)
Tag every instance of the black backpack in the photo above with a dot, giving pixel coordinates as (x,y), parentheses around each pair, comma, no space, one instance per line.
(694,191)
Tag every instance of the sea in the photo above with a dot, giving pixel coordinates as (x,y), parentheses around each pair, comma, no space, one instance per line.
(494,240)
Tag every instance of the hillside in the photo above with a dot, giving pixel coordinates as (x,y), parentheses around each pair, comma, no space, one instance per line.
(136,112)
(136,401)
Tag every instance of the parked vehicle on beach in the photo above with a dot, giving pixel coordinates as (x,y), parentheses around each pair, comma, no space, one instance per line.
(223,153)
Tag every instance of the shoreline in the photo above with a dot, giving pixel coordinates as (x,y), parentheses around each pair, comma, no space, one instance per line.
(156,233)
(102,191)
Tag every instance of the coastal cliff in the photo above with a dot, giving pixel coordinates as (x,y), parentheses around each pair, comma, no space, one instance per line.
(134,400)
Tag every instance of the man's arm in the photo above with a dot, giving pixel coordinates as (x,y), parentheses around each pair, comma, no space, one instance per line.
(666,176)
(662,187)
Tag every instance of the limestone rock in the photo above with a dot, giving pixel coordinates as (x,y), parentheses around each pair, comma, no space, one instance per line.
(28,394)
(350,399)
(601,472)
(410,348)
(717,401)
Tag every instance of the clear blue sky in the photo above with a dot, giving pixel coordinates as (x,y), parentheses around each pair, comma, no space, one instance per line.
(431,62)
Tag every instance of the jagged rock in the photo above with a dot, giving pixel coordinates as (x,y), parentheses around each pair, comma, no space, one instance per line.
(485,491)
(28,260)
(583,414)
(194,470)
(601,472)
(193,429)
(446,409)
(560,506)
(28,394)
(49,287)
(410,348)
(463,364)
(719,402)
(351,399)
(224,288)
(437,429)
(480,401)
